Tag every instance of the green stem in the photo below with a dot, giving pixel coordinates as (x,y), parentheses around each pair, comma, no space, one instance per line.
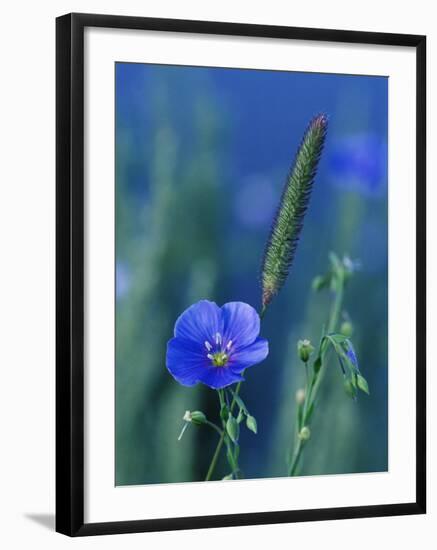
(296,457)
(231,457)
(221,398)
(336,306)
(215,457)
(216,428)
(231,447)
(334,318)
(313,385)
(222,437)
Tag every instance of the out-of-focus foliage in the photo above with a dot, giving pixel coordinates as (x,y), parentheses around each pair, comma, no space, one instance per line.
(201,158)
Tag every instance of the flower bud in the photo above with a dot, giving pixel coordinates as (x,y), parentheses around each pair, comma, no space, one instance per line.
(362,384)
(304,350)
(232,428)
(350,389)
(251,424)
(304,434)
(350,266)
(196,417)
(300,396)
(346,329)
(224,412)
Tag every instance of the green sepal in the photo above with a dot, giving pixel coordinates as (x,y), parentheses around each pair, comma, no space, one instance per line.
(232,428)
(356,380)
(337,338)
(224,413)
(349,388)
(251,424)
(362,384)
(341,343)
(198,418)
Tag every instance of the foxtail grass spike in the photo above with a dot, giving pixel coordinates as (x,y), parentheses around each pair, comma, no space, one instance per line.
(287,225)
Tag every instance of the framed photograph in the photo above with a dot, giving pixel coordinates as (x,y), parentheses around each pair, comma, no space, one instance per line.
(240,274)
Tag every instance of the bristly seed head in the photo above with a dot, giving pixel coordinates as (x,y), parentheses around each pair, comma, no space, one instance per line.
(287,225)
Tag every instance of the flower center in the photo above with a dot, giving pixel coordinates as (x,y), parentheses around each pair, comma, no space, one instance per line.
(219,359)
(218,352)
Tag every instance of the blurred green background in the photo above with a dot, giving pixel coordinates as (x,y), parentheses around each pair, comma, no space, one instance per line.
(201,159)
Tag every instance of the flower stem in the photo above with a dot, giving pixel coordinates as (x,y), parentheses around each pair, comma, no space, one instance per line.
(296,457)
(222,437)
(313,382)
(215,457)
(337,303)
(214,426)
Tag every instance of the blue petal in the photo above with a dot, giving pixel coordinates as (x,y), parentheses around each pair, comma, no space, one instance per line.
(200,322)
(241,324)
(186,361)
(249,356)
(219,377)
(351,354)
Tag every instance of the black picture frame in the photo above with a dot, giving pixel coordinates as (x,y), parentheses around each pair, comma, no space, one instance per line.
(70,273)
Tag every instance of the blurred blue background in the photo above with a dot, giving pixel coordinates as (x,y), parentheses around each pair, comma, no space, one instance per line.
(201,159)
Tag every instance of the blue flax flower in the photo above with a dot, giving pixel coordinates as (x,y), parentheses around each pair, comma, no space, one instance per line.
(214,345)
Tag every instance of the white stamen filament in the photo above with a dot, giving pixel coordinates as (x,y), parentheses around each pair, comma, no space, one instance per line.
(210,356)
(208,346)
(229,345)
(218,338)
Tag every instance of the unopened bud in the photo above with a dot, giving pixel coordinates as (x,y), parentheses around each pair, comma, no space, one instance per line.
(346,329)
(304,350)
(304,434)
(350,388)
(350,266)
(196,417)
(300,396)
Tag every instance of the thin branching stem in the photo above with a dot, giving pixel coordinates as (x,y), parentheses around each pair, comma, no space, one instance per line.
(313,385)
